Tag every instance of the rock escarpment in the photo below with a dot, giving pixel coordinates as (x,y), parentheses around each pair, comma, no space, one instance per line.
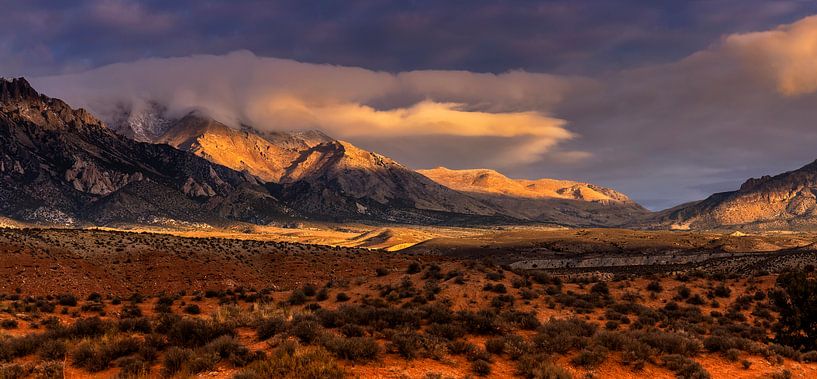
(62,165)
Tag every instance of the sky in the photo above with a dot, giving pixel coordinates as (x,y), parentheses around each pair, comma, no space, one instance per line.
(666,101)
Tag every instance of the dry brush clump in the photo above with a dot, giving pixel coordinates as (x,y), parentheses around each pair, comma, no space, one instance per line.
(307,331)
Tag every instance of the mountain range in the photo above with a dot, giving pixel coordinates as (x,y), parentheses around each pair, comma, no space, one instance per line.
(60,165)
(323,175)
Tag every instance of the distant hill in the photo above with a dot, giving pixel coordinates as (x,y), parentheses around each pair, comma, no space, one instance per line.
(784,201)
(546,200)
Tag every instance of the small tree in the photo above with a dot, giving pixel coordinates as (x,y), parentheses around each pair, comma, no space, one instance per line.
(796,298)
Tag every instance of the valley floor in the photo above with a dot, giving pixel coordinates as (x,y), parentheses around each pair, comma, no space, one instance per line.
(103,303)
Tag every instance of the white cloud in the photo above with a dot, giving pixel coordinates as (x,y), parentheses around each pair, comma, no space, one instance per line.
(346,102)
(786,55)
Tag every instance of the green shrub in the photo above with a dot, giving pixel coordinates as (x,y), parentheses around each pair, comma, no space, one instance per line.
(360,349)
(481,367)
(522,320)
(526,294)
(87,328)
(494,276)
(8,324)
(309,289)
(696,300)
(407,344)
(495,345)
(200,362)
(133,367)
(297,297)
(174,359)
(192,309)
(67,300)
(533,366)
(670,343)
(600,288)
(684,367)
(460,347)
(196,332)
(44,370)
(502,300)
(131,311)
(783,374)
(785,351)
(413,268)
(350,330)
(289,363)
(810,356)
(83,354)
(590,357)
(480,322)
(447,331)
(722,291)
(268,327)
(96,357)
(611,325)
(796,299)
(516,346)
(137,324)
(560,336)
(52,350)
(307,331)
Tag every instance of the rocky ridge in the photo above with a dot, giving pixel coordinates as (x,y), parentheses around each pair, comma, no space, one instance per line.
(63,166)
(787,201)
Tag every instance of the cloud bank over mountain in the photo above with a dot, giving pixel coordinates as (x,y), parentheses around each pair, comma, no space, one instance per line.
(663,133)
(346,102)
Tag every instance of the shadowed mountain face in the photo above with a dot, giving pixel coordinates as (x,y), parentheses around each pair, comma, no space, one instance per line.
(785,201)
(339,176)
(60,165)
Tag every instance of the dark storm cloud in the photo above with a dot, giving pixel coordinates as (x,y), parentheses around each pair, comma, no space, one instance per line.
(555,36)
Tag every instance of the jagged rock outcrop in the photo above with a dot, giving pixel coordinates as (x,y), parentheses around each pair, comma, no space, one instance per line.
(61,165)
(87,177)
(16,89)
